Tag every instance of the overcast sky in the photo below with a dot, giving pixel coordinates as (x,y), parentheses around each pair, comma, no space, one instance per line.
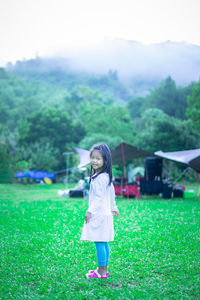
(40,27)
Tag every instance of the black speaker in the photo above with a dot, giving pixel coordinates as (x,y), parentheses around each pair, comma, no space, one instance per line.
(153,168)
(151,187)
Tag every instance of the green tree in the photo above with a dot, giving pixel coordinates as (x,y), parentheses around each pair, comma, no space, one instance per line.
(96,138)
(162,132)
(193,111)
(19,98)
(6,173)
(134,106)
(52,124)
(182,103)
(7,152)
(169,98)
(38,156)
(81,96)
(107,120)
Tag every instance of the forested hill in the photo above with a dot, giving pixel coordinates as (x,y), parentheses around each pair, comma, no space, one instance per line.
(57,72)
(116,68)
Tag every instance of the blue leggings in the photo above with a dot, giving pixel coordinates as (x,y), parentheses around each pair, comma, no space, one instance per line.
(103,253)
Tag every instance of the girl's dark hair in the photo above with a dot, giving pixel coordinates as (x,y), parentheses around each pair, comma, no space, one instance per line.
(107,161)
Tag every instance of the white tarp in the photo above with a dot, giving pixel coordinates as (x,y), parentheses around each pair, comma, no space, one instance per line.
(188,157)
(84,156)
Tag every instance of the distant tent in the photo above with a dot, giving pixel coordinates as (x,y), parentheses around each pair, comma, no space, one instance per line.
(35,175)
(125,152)
(20,174)
(190,158)
(42,175)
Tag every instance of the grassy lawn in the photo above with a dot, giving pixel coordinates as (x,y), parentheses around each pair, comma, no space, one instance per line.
(155,255)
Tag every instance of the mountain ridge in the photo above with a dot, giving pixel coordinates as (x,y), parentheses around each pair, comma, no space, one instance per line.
(137,66)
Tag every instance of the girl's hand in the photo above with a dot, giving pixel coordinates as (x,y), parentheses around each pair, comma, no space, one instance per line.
(88,216)
(115,213)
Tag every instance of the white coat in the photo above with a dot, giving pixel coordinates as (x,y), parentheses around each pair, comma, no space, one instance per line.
(101,204)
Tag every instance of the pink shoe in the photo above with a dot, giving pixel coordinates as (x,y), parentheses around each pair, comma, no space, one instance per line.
(95,274)
(92,271)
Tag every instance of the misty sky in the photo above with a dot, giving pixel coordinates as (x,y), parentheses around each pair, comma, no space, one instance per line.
(41,27)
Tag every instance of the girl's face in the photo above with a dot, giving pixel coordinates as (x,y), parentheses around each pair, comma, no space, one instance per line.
(97,161)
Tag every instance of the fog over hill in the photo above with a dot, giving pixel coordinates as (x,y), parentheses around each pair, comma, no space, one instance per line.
(132,60)
(140,67)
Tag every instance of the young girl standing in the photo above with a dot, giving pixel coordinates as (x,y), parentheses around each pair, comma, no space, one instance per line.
(98,226)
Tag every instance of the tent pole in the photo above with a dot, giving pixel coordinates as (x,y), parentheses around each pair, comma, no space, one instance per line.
(67,166)
(183,173)
(123,166)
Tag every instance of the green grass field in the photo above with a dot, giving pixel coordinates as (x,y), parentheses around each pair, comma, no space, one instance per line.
(155,255)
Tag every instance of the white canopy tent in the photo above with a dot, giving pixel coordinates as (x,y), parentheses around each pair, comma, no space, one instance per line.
(190,158)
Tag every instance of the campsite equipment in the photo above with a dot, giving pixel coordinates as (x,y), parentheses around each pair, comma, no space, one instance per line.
(125,152)
(153,168)
(120,155)
(47,180)
(167,191)
(189,194)
(76,193)
(127,190)
(178,191)
(135,173)
(153,183)
(151,187)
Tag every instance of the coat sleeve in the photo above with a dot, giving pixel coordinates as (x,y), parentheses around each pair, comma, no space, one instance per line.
(99,190)
(112,199)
